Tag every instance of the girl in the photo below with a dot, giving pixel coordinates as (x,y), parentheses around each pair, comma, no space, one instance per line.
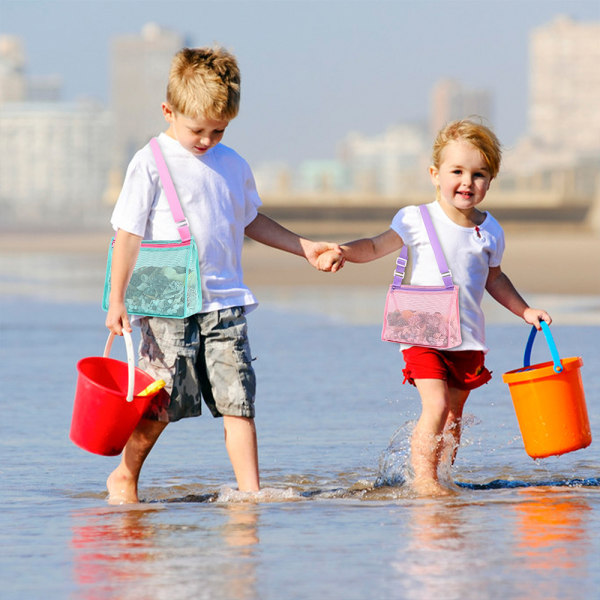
(466,157)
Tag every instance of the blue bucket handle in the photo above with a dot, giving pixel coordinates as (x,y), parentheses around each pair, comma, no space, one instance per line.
(550,340)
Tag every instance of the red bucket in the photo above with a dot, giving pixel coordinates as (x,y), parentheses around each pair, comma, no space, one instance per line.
(106,408)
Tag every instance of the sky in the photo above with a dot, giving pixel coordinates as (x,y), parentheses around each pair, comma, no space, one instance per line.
(312,70)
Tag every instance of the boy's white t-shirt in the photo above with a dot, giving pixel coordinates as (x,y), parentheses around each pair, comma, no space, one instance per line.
(469,253)
(219,199)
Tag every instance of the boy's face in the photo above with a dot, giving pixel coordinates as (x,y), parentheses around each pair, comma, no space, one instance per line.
(463,177)
(196,135)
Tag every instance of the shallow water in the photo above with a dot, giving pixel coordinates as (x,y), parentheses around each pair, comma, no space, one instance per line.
(333,519)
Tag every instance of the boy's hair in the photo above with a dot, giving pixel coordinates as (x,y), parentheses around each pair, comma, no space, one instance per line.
(204,82)
(480,136)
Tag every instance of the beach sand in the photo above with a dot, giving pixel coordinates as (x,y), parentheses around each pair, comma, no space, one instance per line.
(539,258)
(539,262)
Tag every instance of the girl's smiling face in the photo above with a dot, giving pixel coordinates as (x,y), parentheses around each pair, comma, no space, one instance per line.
(463,178)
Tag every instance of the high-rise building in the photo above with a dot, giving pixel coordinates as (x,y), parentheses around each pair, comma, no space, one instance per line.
(450,100)
(565,85)
(16,85)
(54,163)
(139,74)
(54,158)
(387,164)
(13,85)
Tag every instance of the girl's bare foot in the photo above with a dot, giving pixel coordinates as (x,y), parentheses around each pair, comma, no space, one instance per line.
(429,487)
(122,489)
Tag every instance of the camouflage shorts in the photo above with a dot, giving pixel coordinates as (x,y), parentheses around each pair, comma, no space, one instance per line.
(204,356)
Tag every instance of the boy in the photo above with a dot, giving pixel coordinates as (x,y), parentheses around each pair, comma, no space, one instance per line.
(208,352)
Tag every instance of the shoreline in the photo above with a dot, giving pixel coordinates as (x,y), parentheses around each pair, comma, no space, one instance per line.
(538,258)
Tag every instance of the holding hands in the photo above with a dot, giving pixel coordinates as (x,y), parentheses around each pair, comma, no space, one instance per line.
(324,256)
(331,260)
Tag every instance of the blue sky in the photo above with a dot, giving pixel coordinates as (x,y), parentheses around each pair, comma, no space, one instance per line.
(312,70)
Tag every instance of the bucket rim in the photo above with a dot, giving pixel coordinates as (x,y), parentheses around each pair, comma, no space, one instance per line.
(540,370)
(103,387)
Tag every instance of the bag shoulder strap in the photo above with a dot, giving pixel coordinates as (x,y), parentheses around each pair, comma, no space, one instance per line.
(171,193)
(437,249)
(402,259)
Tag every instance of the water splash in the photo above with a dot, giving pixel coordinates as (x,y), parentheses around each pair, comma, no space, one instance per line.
(394,461)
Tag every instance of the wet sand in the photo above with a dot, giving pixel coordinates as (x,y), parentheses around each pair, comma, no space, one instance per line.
(539,258)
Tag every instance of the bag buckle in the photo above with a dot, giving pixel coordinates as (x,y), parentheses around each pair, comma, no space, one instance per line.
(182,223)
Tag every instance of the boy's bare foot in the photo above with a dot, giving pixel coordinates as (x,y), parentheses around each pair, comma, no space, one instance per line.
(121,488)
(430,487)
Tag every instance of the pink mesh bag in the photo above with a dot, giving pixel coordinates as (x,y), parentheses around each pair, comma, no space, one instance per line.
(423,315)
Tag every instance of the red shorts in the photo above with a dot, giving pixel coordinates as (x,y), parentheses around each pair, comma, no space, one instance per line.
(462,369)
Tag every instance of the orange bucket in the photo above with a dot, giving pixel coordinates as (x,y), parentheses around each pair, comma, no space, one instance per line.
(106,408)
(550,402)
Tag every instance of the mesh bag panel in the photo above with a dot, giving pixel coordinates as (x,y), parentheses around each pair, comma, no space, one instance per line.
(165,281)
(422,316)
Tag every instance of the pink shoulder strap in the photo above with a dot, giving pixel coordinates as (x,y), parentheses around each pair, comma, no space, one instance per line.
(171,193)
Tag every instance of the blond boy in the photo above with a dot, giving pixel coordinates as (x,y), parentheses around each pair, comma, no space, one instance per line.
(207,355)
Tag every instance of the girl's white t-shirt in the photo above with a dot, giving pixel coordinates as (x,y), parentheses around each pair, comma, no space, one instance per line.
(218,196)
(469,252)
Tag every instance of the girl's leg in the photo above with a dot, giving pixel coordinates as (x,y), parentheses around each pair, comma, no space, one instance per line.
(242,447)
(427,438)
(453,428)
(122,483)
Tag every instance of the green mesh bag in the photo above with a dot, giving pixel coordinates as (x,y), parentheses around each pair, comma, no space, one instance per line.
(166,278)
(165,281)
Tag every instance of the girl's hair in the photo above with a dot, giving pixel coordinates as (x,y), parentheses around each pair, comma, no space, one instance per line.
(204,82)
(480,136)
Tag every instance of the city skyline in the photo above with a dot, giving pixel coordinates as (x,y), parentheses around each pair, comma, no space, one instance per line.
(312,71)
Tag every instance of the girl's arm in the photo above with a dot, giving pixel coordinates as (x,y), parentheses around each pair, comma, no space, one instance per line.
(266,231)
(125,252)
(368,249)
(504,292)
(362,250)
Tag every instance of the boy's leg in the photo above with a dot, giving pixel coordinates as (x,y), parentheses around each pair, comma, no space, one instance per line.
(427,438)
(228,384)
(122,483)
(242,447)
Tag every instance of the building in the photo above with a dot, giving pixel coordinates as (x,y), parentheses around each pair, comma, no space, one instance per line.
(139,72)
(387,164)
(13,83)
(450,101)
(561,148)
(54,163)
(565,86)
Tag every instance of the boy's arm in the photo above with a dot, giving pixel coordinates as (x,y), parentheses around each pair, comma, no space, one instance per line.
(266,231)
(125,252)
(504,292)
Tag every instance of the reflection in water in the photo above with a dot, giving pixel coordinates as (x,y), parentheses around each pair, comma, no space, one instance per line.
(112,548)
(240,534)
(551,539)
(133,553)
(440,551)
